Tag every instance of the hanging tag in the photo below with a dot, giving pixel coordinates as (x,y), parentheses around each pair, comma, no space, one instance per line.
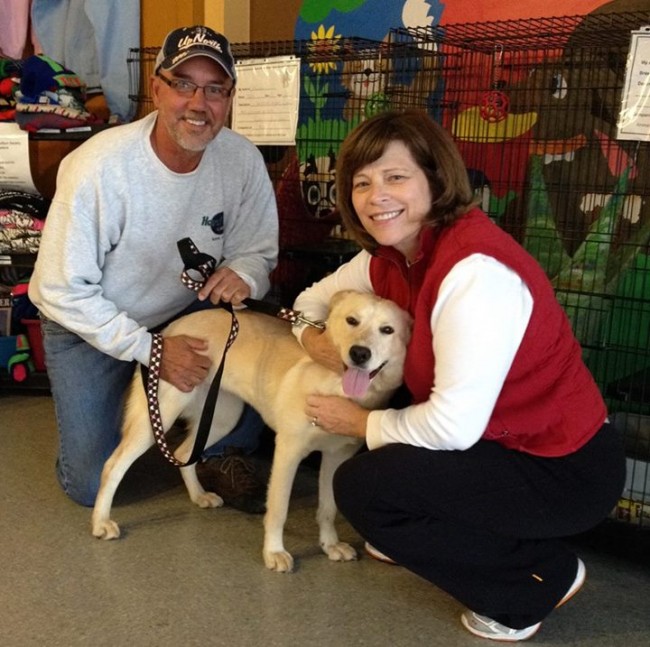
(634,117)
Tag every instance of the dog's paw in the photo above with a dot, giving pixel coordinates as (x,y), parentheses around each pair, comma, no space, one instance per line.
(280,561)
(340,552)
(106,529)
(208,500)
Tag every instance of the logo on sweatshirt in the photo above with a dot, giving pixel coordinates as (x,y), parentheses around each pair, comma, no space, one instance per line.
(215,223)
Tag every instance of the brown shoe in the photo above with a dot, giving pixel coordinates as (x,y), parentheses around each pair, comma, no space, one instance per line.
(234,478)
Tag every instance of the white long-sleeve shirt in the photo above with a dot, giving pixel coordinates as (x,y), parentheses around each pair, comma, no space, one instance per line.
(478,323)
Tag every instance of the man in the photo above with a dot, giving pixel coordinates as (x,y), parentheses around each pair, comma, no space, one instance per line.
(108,269)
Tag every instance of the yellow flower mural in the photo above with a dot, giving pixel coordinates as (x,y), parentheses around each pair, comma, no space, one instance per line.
(323,49)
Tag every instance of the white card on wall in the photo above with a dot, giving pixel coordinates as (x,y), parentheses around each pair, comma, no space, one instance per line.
(265,105)
(15,172)
(634,117)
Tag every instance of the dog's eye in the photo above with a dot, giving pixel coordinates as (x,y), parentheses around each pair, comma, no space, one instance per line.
(352,321)
(387,330)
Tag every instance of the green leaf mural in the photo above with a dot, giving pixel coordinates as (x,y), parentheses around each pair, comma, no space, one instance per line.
(316,10)
(319,136)
(585,282)
(541,238)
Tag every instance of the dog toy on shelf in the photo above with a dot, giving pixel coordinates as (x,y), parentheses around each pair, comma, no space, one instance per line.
(16,357)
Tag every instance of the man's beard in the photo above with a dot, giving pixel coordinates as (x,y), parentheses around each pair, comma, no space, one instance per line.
(195,143)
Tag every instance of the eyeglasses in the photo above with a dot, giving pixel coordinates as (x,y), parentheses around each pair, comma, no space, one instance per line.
(186,88)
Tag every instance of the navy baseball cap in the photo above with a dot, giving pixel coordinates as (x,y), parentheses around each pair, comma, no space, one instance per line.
(187,42)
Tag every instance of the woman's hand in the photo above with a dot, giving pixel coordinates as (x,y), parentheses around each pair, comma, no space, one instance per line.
(337,415)
(320,348)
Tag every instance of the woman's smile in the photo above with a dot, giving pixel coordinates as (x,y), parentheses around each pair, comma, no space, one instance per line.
(388,215)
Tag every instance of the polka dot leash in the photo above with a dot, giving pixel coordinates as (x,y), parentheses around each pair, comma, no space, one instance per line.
(151,376)
(151,388)
(195,263)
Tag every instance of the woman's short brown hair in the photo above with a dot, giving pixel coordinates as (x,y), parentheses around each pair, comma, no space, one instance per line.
(433,150)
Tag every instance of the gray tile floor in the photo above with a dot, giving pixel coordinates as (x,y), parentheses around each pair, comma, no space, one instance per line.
(184,576)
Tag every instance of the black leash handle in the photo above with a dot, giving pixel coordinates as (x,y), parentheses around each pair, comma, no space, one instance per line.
(196,262)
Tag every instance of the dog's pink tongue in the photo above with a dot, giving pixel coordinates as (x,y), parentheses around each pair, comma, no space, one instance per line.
(355,382)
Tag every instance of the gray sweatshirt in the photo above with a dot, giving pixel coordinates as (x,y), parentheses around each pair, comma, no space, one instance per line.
(108,267)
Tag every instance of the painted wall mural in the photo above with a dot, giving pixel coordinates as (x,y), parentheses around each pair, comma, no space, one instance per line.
(539,140)
(350,85)
(343,82)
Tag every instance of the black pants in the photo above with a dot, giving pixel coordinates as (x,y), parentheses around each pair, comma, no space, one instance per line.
(484,524)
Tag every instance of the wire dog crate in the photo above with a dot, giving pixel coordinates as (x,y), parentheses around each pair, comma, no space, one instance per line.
(533,106)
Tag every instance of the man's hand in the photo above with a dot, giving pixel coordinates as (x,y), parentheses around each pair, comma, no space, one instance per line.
(225,285)
(184,361)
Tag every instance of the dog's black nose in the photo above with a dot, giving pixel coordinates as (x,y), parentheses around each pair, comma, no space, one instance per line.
(360,354)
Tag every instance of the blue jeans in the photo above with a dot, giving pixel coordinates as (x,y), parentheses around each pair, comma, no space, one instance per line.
(88,389)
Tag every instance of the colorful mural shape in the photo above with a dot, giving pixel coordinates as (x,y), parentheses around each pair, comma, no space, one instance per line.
(558,178)
(586,207)
(351,85)
(344,80)
(370,19)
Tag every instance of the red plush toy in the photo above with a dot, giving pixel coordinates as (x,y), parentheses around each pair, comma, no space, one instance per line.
(8,86)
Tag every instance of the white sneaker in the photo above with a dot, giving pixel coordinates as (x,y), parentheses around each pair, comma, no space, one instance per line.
(487,628)
(377,554)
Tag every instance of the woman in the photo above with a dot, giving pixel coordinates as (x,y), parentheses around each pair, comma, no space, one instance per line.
(505,446)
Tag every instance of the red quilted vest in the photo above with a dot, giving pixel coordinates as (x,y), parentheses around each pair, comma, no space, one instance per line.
(549,404)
